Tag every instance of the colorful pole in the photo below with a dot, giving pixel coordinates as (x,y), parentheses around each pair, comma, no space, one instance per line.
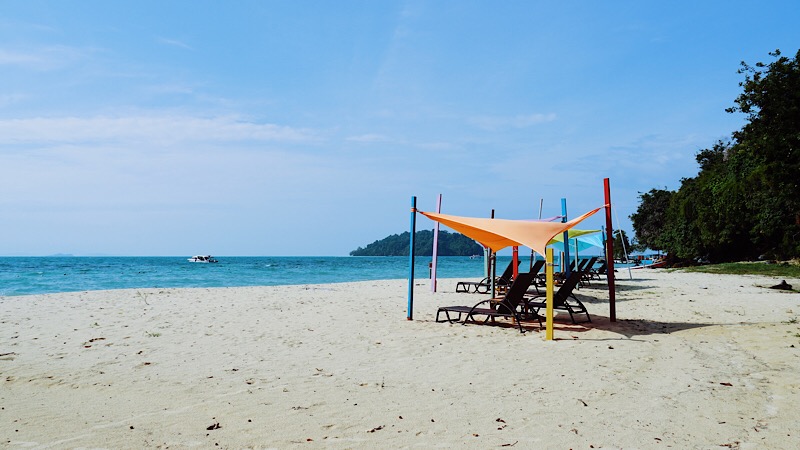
(410,315)
(515,261)
(612,313)
(435,246)
(493,262)
(566,260)
(548,336)
(533,252)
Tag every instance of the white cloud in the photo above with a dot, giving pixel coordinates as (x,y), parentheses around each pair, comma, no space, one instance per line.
(148,128)
(10,99)
(42,58)
(368,138)
(494,123)
(175,43)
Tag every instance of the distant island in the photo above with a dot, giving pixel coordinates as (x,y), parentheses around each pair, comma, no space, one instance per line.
(450,244)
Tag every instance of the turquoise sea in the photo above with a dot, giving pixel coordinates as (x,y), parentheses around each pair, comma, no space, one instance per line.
(42,275)
(53,274)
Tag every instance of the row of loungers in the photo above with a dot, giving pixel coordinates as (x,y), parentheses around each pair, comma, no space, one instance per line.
(519,303)
(483,286)
(585,266)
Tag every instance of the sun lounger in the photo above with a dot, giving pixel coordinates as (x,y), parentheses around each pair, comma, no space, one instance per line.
(508,306)
(595,273)
(585,270)
(535,269)
(483,286)
(563,299)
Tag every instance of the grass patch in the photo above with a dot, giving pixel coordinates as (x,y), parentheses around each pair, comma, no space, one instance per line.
(783,270)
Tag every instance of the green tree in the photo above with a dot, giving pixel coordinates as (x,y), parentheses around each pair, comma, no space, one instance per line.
(745,200)
(770,140)
(648,220)
(621,244)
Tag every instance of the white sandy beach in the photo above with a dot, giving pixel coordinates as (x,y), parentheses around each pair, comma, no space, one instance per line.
(694,361)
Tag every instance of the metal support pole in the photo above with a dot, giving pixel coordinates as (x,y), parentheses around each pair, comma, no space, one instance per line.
(493,262)
(410,315)
(548,336)
(435,253)
(566,261)
(515,261)
(612,312)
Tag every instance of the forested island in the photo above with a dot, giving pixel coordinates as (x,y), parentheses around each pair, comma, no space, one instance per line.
(450,244)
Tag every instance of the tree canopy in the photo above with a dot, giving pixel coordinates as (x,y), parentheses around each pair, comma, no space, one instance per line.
(745,201)
(621,244)
(450,244)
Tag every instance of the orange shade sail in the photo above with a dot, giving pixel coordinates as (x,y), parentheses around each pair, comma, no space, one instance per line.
(498,234)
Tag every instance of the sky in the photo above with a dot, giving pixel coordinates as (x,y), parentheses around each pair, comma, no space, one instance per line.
(304,128)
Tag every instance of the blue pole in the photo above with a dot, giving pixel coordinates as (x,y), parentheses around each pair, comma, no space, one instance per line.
(566,238)
(410,315)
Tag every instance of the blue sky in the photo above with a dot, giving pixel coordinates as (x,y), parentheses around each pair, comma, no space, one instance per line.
(303,128)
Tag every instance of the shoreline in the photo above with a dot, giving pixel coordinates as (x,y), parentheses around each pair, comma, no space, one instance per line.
(694,360)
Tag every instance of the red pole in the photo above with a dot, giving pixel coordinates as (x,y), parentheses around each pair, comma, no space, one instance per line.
(515,262)
(610,253)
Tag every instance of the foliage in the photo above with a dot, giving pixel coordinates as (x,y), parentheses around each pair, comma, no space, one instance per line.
(620,238)
(450,244)
(745,201)
(648,220)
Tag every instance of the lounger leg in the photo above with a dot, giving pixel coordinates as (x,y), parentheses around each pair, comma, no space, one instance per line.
(447,314)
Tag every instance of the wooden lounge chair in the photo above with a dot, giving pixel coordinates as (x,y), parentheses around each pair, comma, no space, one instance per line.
(508,306)
(563,299)
(483,286)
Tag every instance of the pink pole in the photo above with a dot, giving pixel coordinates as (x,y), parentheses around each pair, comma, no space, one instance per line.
(435,246)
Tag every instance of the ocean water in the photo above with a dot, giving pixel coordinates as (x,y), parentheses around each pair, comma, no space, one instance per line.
(42,275)
(45,275)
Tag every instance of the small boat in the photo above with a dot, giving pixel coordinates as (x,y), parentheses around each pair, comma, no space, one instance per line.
(654,265)
(203,259)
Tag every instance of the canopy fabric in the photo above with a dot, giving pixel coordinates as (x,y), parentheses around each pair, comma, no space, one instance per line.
(572,234)
(498,234)
(548,219)
(584,243)
(579,240)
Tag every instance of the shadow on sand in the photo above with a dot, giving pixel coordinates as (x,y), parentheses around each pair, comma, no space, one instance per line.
(627,329)
(631,328)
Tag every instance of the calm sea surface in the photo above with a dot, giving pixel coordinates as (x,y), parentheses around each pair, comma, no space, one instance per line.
(40,275)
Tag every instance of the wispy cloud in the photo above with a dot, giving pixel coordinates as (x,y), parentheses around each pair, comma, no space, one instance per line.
(10,99)
(175,43)
(494,123)
(42,58)
(368,138)
(160,128)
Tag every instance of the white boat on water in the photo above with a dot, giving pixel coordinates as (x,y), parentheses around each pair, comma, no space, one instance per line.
(203,259)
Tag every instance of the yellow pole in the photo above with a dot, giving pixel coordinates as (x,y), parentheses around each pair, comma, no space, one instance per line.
(549,310)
